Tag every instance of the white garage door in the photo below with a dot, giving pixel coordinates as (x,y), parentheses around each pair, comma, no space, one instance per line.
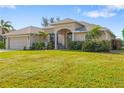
(18,42)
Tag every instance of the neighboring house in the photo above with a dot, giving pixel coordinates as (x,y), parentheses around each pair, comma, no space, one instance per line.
(60,33)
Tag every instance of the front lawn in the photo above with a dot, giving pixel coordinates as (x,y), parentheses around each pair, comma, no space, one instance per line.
(56,68)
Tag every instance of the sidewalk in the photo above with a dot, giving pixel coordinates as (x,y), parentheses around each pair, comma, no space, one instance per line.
(3,50)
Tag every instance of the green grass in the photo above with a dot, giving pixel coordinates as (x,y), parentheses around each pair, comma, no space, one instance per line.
(56,68)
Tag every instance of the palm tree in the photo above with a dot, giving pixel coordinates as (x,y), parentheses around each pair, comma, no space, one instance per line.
(5,26)
(43,34)
(94,34)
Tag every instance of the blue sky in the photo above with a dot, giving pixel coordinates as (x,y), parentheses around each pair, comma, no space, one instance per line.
(111,17)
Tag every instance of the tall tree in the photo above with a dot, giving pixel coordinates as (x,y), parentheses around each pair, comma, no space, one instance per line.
(123,34)
(52,20)
(5,26)
(57,19)
(45,21)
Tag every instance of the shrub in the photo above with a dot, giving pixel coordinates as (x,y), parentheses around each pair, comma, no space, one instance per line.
(75,45)
(88,46)
(38,46)
(104,46)
(99,46)
(2,45)
(50,45)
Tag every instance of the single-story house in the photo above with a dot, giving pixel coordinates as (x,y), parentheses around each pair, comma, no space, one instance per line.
(59,32)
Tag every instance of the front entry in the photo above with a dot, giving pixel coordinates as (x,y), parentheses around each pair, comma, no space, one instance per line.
(64,36)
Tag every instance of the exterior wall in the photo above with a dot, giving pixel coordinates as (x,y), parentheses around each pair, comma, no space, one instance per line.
(69,26)
(106,36)
(49,30)
(109,36)
(35,38)
(79,36)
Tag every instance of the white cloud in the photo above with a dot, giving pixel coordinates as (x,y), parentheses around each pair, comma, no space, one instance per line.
(115,7)
(106,11)
(96,14)
(8,6)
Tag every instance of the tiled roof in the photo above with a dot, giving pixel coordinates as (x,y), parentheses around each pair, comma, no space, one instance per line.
(67,20)
(26,30)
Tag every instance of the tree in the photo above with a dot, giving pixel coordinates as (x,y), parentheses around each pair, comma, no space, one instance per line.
(44,36)
(94,34)
(46,22)
(123,34)
(5,26)
(52,20)
(57,19)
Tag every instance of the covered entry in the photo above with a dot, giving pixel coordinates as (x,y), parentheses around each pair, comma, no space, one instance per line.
(64,36)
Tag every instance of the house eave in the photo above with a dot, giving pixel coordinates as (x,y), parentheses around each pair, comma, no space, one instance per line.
(19,34)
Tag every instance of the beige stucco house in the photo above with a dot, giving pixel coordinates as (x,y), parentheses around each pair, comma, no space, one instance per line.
(60,33)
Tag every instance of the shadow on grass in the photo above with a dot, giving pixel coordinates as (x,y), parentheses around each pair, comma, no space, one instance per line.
(120,52)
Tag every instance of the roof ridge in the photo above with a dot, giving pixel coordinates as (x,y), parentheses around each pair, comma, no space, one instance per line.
(29,27)
(62,21)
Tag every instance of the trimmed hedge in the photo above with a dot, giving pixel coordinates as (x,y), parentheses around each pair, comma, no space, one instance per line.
(50,45)
(90,46)
(75,45)
(2,44)
(38,46)
(99,46)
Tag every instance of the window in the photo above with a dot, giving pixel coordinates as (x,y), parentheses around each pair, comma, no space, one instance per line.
(80,29)
(52,37)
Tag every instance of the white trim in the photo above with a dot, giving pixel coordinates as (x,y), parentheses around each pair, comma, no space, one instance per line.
(17,35)
(73,36)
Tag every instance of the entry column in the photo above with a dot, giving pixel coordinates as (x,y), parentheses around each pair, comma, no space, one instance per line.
(73,36)
(55,40)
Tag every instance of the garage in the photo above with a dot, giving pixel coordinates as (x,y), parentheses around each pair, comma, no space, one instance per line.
(18,42)
(21,38)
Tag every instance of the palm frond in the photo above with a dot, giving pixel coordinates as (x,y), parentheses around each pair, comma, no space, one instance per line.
(5,26)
